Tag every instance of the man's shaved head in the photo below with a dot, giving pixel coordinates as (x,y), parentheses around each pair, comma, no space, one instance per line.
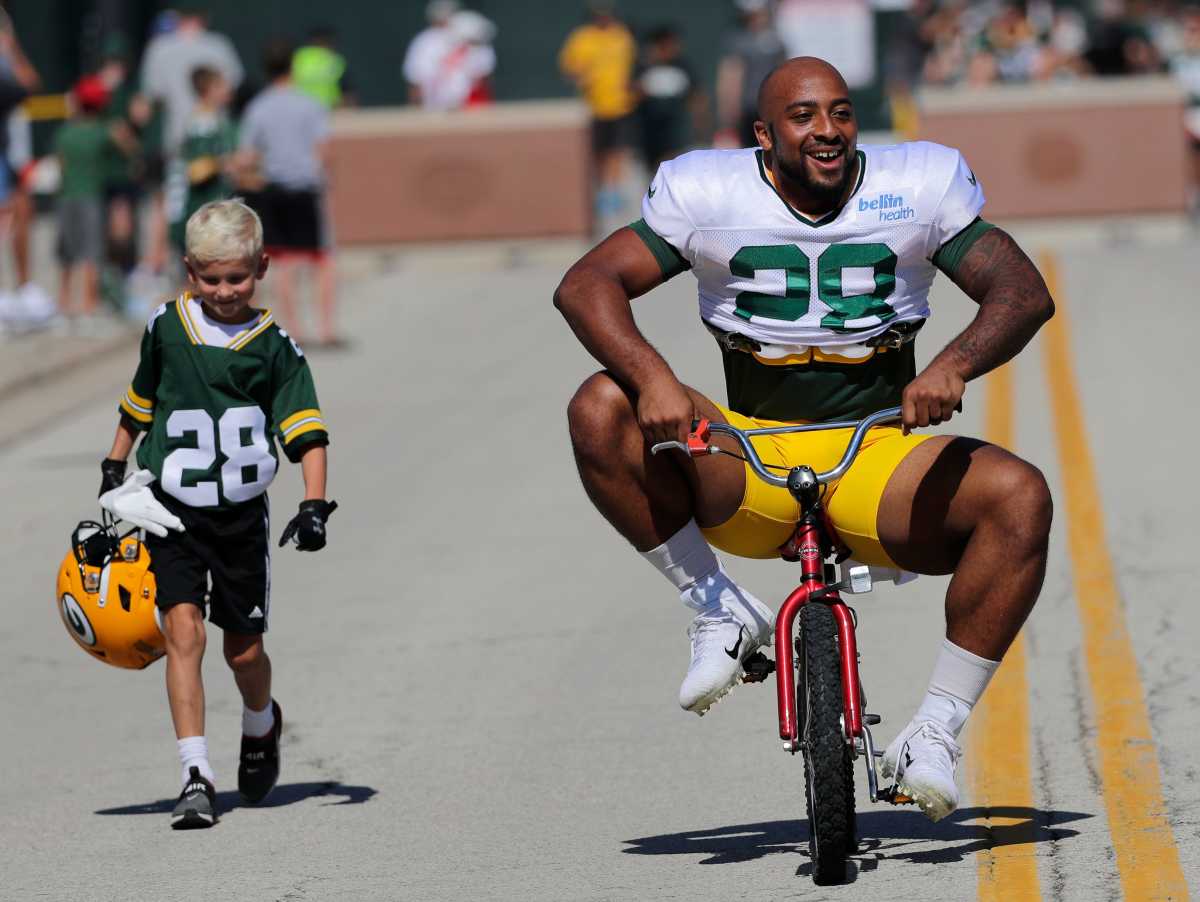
(788,81)
(807,130)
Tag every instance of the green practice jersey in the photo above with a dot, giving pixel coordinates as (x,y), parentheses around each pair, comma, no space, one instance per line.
(212,413)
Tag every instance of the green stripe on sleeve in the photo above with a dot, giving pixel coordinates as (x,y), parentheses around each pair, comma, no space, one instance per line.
(670,261)
(950,254)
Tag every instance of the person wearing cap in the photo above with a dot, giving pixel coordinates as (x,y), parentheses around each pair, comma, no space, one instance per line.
(426,51)
(599,57)
(81,145)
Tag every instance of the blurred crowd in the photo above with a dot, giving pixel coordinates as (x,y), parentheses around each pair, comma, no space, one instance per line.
(954,41)
(145,139)
(140,149)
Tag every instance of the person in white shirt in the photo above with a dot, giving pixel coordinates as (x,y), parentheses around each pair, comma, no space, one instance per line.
(813,256)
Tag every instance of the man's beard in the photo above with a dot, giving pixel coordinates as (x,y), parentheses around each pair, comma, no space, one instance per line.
(825,192)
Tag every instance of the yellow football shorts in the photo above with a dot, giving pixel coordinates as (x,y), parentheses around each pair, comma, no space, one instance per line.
(768,514)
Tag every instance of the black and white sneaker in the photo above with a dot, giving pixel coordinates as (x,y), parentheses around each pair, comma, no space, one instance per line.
(197,805)
(259,768)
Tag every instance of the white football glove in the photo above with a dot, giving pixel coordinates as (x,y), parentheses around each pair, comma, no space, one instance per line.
(133,502)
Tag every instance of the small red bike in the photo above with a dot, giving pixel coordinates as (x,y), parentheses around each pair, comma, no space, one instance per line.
(822,705)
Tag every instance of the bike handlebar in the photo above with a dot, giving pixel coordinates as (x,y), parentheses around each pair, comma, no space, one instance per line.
(697,444)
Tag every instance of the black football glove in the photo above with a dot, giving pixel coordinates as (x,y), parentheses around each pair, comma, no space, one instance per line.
(308,526)
(112,474)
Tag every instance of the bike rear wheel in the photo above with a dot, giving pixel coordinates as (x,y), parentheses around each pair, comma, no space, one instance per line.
(828,768)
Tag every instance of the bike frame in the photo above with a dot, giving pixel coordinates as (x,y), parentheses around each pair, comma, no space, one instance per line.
(811,545)
(810,541)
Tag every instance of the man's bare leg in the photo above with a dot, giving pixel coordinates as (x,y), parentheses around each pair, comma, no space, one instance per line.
(647,498)
(961,506)
(964,507)
(659,503)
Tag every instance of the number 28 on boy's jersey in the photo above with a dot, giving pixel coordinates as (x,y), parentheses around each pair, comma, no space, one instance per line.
(212,412)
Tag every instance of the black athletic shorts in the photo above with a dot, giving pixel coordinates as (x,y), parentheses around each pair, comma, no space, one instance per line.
(231,547)
(291,219)
(612,134)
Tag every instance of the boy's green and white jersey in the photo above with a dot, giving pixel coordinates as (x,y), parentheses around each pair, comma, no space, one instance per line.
(212,411)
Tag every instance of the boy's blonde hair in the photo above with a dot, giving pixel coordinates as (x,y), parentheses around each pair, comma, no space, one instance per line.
(223,230)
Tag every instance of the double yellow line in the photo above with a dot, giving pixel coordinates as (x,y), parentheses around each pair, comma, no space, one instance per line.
(1144,845)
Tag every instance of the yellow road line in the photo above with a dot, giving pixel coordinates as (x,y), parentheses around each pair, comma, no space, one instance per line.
(1147,857)
(999,749)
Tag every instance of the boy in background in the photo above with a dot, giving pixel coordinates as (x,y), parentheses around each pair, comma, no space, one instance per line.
(206,153)
(82,144)
(217,382)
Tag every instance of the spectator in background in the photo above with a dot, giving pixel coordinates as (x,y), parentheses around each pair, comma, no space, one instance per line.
(81,144)
(166,78)
(839,31)
(1185,66)
(1009,48)
(126,115)
(599,58)
(283,143)
(1120,44)
(671,106)
(207,150)
(750,52)
(422,59)
(320,71)
(29,306)
(458,76)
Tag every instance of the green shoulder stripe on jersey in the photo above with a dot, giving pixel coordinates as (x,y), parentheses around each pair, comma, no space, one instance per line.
(670,261)
(832,214)
(950,255)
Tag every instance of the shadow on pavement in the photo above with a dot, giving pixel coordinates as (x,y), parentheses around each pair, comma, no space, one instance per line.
(883,836)
(284,794)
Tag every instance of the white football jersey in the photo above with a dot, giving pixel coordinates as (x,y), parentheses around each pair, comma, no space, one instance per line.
(769,272)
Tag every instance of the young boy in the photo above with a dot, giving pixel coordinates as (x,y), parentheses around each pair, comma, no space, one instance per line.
(82,144)
(217,381)
(205,154)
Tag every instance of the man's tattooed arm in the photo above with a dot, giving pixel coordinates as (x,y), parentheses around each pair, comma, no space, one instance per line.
(1013,304)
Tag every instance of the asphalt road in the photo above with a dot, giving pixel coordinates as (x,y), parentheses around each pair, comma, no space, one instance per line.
(479,678)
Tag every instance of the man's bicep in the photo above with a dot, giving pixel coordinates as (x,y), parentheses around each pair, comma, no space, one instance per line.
(995,259)
(626,256)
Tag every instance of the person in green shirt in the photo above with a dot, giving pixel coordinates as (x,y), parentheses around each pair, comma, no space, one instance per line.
(202,173)
(81,146)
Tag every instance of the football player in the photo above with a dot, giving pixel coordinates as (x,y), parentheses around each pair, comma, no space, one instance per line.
(217,383)
(814,257)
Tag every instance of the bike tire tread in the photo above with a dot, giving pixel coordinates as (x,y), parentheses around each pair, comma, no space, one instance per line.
(828,770)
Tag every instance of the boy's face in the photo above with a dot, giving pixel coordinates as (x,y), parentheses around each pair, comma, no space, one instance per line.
(219,92)
(226,287)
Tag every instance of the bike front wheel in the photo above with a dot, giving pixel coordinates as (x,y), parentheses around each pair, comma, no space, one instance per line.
(828,767)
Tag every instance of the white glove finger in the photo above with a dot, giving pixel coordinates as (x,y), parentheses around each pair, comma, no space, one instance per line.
(149,525)
(152,509)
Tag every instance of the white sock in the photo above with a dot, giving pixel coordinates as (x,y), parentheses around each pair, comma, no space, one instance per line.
(958,681)
(688,561)
(685,558)
(193,752)
(258,723)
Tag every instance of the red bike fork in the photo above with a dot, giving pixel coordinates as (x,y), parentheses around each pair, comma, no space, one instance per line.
(811,559)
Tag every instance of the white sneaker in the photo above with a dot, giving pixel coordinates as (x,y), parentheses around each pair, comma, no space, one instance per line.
(721,641)
(922,760)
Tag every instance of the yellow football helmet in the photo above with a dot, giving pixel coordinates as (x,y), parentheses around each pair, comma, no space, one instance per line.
(106,596)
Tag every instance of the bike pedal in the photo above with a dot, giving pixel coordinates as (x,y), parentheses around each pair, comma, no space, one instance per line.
(757,667)
(872,719)
(893,796)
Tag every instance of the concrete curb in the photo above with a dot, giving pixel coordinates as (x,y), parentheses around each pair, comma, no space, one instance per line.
(38,360)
